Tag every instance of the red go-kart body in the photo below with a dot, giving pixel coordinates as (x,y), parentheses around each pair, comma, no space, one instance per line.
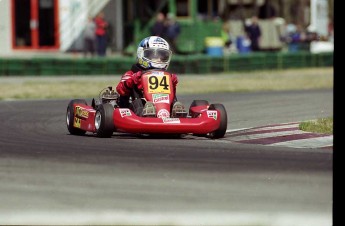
(106,117)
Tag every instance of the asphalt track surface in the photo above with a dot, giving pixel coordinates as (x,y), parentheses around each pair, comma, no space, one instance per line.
(50,177)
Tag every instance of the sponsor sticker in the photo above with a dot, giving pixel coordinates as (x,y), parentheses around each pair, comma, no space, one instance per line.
(124,112)
(159,40)
(212,114)
(160,98)
(159,73)
(81,112)
(163,113)
(143,62)
(77,122)
(171,120)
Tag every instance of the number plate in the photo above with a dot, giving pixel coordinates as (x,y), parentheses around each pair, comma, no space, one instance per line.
(158,83)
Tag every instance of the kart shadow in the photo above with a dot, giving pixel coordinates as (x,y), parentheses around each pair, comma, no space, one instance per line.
(145,136)
(149,136)
(161,136)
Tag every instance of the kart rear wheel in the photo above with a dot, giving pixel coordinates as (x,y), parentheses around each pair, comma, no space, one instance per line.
(220,132)
(70,117)
(104,122)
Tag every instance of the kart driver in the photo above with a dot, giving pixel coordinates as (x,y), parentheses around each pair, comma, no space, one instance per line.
(153,53)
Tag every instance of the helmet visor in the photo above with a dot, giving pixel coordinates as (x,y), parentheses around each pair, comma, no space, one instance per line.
(157,55)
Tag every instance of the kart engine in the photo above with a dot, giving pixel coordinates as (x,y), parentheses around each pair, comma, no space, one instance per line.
(109,96)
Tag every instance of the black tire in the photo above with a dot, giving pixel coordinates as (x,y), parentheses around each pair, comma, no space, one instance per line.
(70,117)
(104,122)
(220,132)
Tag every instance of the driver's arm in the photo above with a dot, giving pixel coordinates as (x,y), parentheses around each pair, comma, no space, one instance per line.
(126,84)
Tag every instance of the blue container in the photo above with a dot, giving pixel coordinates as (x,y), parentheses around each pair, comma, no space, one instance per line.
(242,45)
(214,51)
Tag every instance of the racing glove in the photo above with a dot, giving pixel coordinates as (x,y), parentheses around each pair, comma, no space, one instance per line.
(126,84)
(128,80)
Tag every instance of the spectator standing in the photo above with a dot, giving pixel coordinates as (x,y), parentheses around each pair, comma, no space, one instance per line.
(254,33)
(173,30)
(158,28)
(89,37)
(226,35)
(267,10)
(101,34)
(330,29)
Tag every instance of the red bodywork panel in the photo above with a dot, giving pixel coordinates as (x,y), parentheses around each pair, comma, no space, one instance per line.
(126,121)
(84,117)
(158,88)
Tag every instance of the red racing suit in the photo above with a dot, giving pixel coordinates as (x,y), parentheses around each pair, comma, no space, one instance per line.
(132,78)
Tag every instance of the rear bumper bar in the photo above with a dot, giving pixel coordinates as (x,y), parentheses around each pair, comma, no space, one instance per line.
(125,120)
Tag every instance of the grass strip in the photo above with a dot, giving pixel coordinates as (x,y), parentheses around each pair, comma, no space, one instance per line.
(55,87)
(322,125)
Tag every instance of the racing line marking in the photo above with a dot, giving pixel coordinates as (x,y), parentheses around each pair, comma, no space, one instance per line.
(287,134)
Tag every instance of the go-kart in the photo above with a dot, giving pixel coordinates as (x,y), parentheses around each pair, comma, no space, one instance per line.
(104,116)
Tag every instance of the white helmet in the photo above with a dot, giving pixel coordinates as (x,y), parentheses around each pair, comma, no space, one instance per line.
(154,53)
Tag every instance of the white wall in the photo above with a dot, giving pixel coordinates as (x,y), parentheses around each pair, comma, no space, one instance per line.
(319,17)
(5,28)
(72,18)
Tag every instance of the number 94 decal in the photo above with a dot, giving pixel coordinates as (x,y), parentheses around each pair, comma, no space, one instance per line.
(159,84)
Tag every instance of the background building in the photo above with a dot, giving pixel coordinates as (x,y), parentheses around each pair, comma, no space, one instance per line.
(57,25)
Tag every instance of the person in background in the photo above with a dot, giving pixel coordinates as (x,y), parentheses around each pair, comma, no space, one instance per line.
(101,36)
(89,37)
(173,30)
(253,32)
(330,29)
(158,28)
(152,53)
(226,35)
(267,10)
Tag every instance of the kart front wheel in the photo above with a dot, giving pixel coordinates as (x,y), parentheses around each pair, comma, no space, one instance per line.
(104,122)
(70,117)
(220,132)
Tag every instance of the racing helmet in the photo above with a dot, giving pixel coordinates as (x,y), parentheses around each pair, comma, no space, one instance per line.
(154,53)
